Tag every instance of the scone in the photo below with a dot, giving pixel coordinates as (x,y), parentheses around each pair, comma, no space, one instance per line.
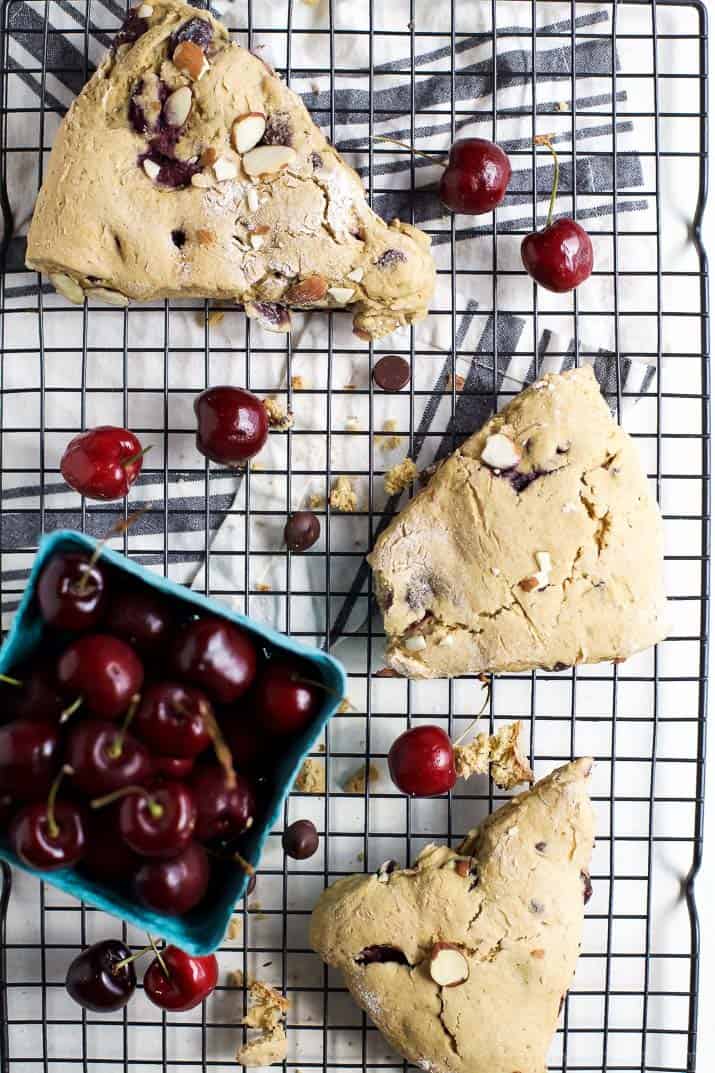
(463,961)
(187,168)
(536,544)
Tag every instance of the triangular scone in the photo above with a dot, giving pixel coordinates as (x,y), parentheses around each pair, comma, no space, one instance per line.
(536,544)
(266,215)
(509,903)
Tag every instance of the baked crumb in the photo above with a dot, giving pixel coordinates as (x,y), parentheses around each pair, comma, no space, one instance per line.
(356,783)
(235,928)
(457,380)
(261,586)
(400,476)
(215,317)
(388,442)
(278,417)
(499,754)
(266,1014)
(352,424)
(345,706)
(236,978)
(316,501)
(297,383)
(342,496)
(311,777)
(257,466)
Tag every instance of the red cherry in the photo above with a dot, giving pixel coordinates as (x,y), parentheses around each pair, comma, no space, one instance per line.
(421,762)
(103,462)
(232,424)
(186,982)
(216,655)
(243,741)
(158,822)
(139,616)
(103,671)
(104,758)
(174,719)
(476,176)
(29,753)
(72,592)
(560,256)
(173,767)
(284,698)
(107,858)
(176,885)
(49,834)
(222,811)
(32,693)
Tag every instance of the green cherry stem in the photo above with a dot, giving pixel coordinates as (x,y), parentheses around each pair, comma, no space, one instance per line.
(115,749)
(477,717)
(68,712)
(53,828)
(135,458)
(132,957)
(545,140)
(159,958)
(10,681)
(117,529)
(434,158)
(155,809)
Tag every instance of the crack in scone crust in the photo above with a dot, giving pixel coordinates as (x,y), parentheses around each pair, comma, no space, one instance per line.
(130,167)
(519,930)
(459,567)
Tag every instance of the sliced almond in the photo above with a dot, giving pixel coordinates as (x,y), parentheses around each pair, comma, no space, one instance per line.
(66,286)
(500,452)
(247,131)
(202,180)
(190,59)
(110,298)
(270,315)
(209,157)
(257,241)
(356,274)
(225,169)
(341,295)
(544,560)
(252,199)
(311,289)
(416,643)
(268,159)
(448,966)
(151,169)
(178,106)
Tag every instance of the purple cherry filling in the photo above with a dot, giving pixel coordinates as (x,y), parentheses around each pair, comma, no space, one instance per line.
(390,257)
(132,29)
(173,172)
(380,955)
(519,481)
(197,30)
(150,95)
(587,887)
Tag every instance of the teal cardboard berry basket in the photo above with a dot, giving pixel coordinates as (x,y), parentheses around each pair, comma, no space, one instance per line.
(203,929)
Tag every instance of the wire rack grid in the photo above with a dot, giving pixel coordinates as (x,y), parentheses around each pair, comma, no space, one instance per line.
(624,87)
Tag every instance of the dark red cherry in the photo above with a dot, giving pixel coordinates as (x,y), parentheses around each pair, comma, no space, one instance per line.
(141,617)
(34,696)
(421,762)
(176,885)
(560,256)
(216,655)
(104,758)
(107,858)
(222,811)
(102,977)
(232,424)
(476,177)
(301,530)
(300,840)
(29,756)
(158,822)
(72,592)
(49,834)
(103,462)
(284,698)
(7,808)
(174,719)
(243,741)
(179,981)
(103,671)
(173,767)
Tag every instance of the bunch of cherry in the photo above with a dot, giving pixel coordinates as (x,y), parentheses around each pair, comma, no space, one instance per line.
(129,736)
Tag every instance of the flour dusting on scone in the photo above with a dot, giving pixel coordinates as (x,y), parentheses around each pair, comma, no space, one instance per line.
(536,544)
(463,960)
(186,167)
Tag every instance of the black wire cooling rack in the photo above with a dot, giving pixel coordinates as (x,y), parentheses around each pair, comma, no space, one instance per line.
(624,89)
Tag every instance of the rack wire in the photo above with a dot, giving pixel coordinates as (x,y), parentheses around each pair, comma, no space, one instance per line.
(624,86)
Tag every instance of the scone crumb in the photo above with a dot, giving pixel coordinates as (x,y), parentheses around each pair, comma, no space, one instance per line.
(215,317)
(352,424)
(261,586)
(236,978)
(316,500)
(311,777)
(343,496)
(297,383)
(499,754)
(357,782)
(400,476)
(278,417)
(345,706)
(389,441)
(266,1014)
(235,928)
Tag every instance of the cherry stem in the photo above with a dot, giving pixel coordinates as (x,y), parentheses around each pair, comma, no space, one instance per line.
(132,957)
(117,529)
(53,828)
(545,140)
(477,717)
(155,809)
(159,958)
(10,681)
(223,753)
(66,713)
(232,855)
(135,458)
(417,152)
(115,749)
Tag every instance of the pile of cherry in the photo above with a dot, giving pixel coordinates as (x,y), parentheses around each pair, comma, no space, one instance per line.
(128,737)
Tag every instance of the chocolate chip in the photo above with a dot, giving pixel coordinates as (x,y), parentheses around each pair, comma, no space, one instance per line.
(178,238)
(391,373)
(587,887)
(197,30)
(279,130)
(301,530)
(300,840)
(559,666)
(380,955)
(390,257)
(519,481)
(540,847)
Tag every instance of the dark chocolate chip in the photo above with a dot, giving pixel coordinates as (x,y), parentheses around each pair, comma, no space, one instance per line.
(197,30)
(380,955)
(390,257)
(279,130)
(178,238)
(540,847)
(587,887)
(301,530)
(391,373)
(300,840)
